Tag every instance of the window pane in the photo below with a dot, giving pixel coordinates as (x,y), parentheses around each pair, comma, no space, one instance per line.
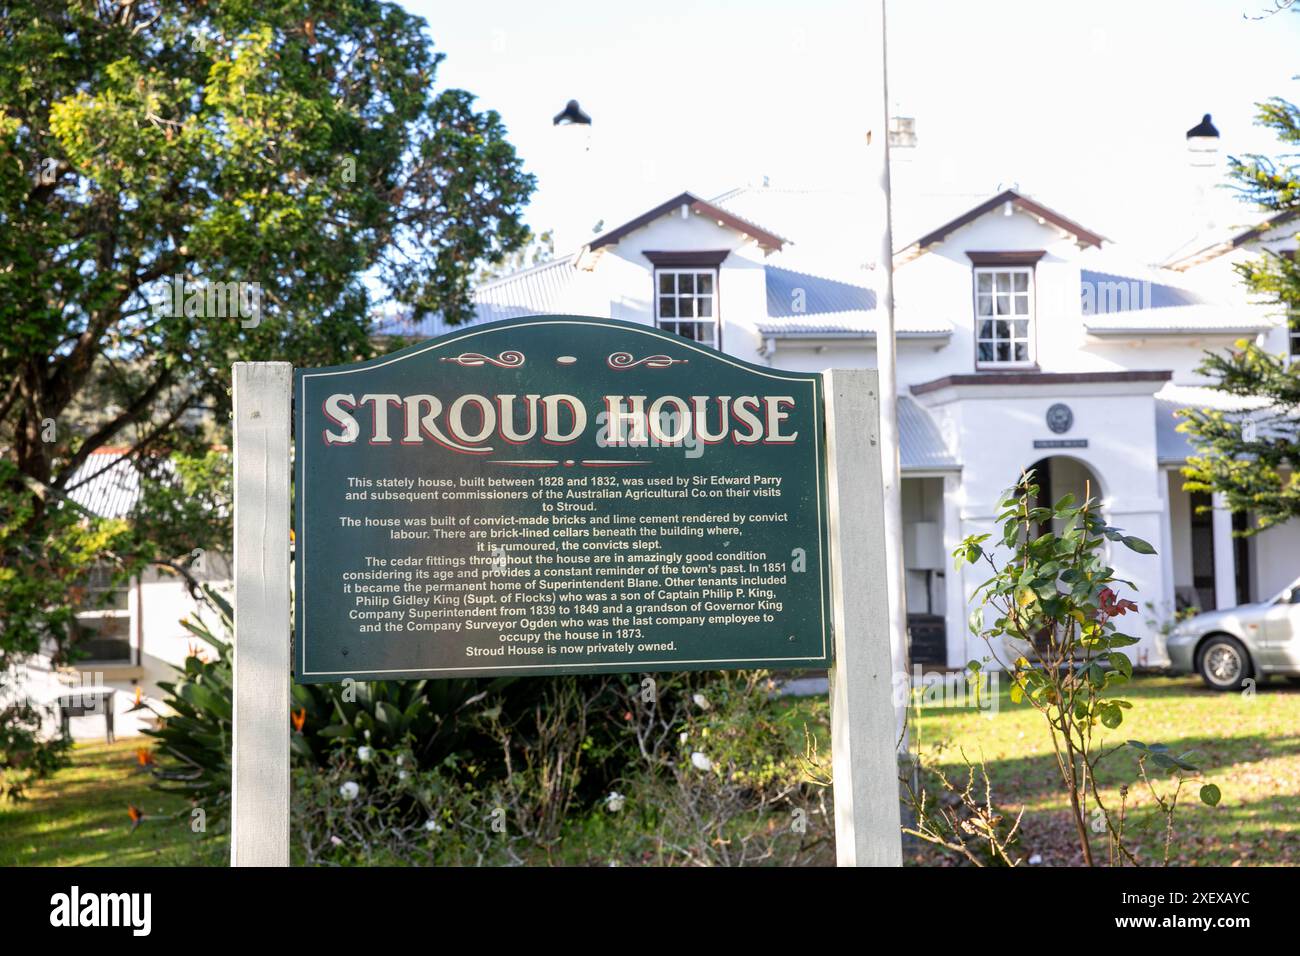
(1004,282)
(1021,280)
(983,282)
(1004,305)
(667,307)
(986,352)
(665,282)
(704,283)
(1004,352)
(685,307)
(1022,304)
(984,304)
(1022,352)
(1003,329)
(685,283)
(706,307)
(104,638)
(1022,328)
(986,329)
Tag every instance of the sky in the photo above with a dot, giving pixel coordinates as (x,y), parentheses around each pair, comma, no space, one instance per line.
(1084,106)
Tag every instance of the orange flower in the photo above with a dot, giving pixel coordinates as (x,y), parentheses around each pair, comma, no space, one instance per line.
(144,756)
(299,718)
(136,815)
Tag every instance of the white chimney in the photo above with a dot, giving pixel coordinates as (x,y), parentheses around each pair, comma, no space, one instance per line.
(575,219)
(1207,173)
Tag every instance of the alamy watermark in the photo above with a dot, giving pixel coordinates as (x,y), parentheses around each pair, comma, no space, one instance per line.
(936,689)
(209,299)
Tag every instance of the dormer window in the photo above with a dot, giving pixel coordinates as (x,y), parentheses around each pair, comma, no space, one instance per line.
(685,303)
(686,294)
(1004,308)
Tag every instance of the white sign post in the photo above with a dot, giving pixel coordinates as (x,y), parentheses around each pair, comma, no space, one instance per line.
(259,799)
(863,730)
(863,733)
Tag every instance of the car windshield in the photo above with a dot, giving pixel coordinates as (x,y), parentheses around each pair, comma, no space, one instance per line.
(1292,587)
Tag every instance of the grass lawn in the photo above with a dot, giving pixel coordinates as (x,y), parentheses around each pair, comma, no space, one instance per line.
(1248,745)
(79,817)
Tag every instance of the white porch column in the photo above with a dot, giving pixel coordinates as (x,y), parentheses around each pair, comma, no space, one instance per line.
(955,609)
(1225,556)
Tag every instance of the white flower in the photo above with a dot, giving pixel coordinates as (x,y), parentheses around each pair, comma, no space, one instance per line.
(681,738)
(403,774)
(614,802)
(349,790)
(702,702)
(432,825)
(701,762)
(364,754)
(1035,859)
(401,758)
(336,841)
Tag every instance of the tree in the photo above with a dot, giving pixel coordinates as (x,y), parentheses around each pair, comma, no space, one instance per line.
(1252,458)
(184,185)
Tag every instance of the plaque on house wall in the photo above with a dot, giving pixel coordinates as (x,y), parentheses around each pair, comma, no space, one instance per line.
(1060,418)
(556,495)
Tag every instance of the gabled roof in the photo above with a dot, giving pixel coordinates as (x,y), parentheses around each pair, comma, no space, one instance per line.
(1084,237)
(769,241)
(1204,252)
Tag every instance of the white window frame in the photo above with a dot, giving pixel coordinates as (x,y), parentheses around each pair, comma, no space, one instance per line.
(1029,339)
(671,323)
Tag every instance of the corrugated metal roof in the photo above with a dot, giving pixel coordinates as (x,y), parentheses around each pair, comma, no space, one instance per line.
(920,443)
(1104,293)
(809,217)
(1173,446)
(111,494)
(1173,320)
(537,289)
(794,295)
(799,303)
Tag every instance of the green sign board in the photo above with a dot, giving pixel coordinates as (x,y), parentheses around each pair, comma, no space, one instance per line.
(558,495)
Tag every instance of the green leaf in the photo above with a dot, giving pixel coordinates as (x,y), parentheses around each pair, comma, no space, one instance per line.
(1121,663)
(1137,544)
(1210,795)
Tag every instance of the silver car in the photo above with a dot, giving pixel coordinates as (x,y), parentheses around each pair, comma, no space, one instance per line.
(1251,641)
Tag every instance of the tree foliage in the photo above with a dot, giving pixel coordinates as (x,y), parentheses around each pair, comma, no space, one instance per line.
(295,158)
(1250,455)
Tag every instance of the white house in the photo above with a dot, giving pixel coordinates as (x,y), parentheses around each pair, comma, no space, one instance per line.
(1024,340)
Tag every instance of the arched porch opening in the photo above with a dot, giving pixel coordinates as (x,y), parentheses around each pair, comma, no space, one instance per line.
(1059,475)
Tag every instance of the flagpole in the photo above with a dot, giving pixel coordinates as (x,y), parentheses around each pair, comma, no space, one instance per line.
(878,156)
